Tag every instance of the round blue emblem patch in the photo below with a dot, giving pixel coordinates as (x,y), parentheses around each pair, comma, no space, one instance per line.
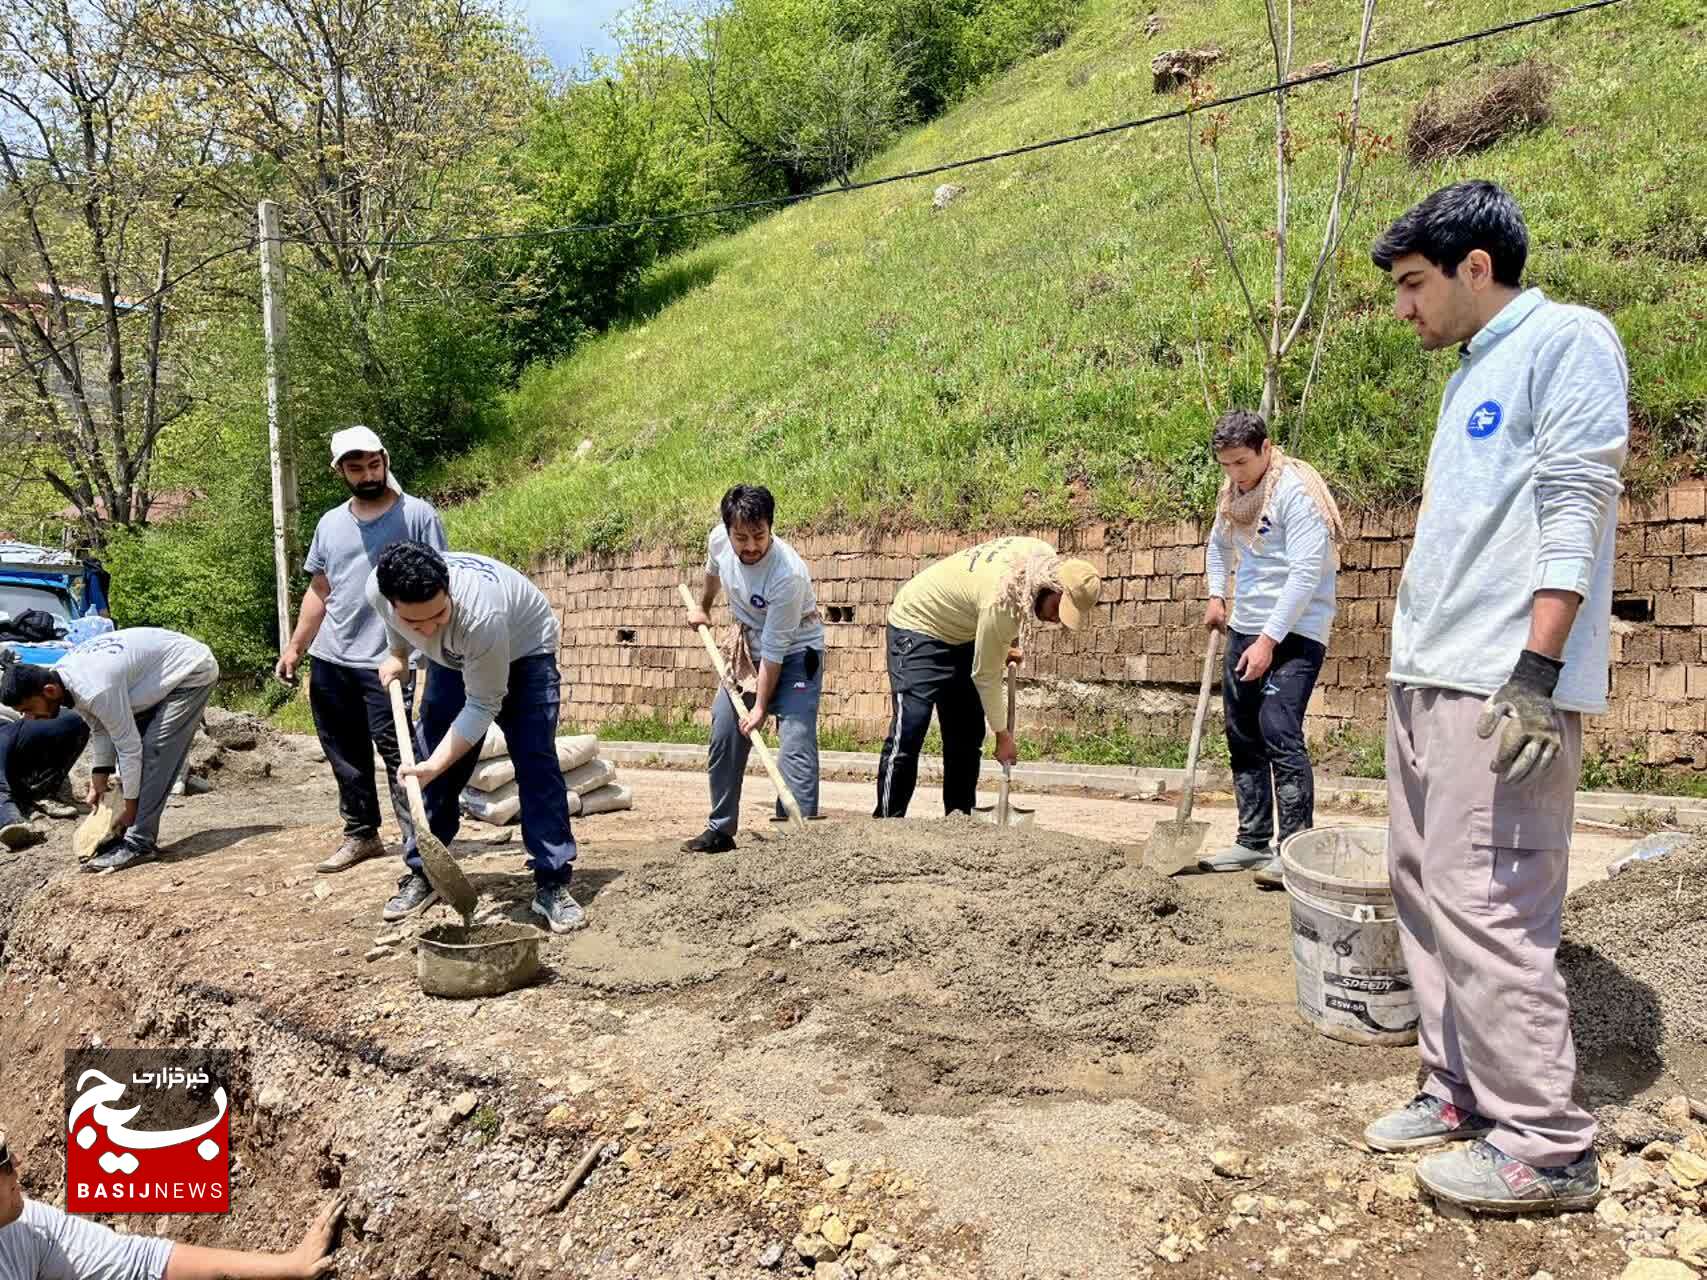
(758,600)
(1485,419)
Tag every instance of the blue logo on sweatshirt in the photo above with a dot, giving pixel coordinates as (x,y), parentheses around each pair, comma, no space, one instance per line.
(758,600)
(1485,419)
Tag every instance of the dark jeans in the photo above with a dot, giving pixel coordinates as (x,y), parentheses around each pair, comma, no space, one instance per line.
(925,675)
(1265,738)
(528,717)
(36,757)
(352,715)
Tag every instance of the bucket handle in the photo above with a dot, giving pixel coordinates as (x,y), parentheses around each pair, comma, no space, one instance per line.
(1357,913)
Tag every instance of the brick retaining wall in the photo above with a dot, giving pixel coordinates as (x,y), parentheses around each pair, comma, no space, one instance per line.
(626,652)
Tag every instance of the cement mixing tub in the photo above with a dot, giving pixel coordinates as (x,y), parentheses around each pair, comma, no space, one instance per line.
(1352,980)
(486,960)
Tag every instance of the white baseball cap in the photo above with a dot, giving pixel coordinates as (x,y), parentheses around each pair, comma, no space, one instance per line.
(362,440)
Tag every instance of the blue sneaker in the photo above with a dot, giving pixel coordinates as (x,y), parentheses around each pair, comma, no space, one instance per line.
(1481,1176)
(1425,1121)
(1236,858)
(559,908)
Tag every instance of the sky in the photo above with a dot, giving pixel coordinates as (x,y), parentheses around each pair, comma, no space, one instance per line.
(566,27)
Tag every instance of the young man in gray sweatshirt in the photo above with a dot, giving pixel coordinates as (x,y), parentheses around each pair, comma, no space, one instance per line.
(142,691)
(1500,647)
(490,639)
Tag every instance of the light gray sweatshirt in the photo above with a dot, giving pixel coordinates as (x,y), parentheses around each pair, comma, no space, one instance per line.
(118,675)
(1285,584)
(772,600)
(1521,496)
(497,617)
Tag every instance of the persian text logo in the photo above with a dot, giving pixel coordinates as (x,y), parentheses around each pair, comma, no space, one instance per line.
(147,1131)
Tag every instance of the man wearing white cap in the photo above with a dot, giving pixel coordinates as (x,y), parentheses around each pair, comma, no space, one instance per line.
(346,639)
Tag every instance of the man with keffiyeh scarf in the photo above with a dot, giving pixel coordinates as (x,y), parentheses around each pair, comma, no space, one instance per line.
(1276,530)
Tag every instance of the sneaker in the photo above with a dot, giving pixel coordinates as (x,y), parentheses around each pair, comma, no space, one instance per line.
(354,849)
(414,893)
(1425,1121)
(709,841)
(1269,875)
(1481,1176)
(559,908)
(1236,858)
(15,833)
(121,854)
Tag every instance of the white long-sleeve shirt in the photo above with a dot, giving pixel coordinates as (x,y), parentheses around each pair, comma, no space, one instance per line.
(1521,496)
(497,617)
(773,600)
(45,1243)
(1286,584)
(120,674)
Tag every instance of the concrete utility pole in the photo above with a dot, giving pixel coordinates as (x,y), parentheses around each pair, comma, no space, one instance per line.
(281,439)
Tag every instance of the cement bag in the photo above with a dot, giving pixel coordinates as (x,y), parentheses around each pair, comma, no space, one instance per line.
(489,775)
(589,777)
(494,745)
(502,805)
(607,799)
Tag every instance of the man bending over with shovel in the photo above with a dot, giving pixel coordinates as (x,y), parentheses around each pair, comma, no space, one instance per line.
(1279,523)
(142,691)
(490,639)
(951,630)
(1500,645)
(776,616)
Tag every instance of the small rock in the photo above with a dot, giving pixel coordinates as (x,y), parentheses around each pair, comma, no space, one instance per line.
(1612,1213)
(377,953)
(462,1106)
(443,1117)
(322,889)
(1230,1162)
(1691,1241)
(1246,1206)
(1657,1151)
(814,1248)
(1676,1112)
(1656,1269)
(1687,1169)
(1634,1178)
(836,1232)
(566,1246)
(389,939)
(634,1122)
(862,1241)
(829,1271)
(1171,1249)
(1398,1186)
(1542,1275)
(946,195)
(272,1098)
(1279,1257)
(560,1114)
(841,1174)
(340,952)
(814,1218)
(882,1256)
(771,1258)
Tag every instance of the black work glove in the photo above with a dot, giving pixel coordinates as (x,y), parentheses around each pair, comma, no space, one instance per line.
(1522,713)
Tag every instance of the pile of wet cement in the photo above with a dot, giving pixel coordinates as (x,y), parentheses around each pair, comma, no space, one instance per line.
(1634,952)
(956,916)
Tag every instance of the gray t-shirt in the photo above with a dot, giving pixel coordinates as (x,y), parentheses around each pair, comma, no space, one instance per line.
(346,549)
(48,1244)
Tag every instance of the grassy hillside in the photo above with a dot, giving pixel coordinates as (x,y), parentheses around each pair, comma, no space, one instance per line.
(1028,353)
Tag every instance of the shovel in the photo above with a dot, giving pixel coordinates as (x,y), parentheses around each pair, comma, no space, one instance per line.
(1006,814)
(1175,843)
(442,872)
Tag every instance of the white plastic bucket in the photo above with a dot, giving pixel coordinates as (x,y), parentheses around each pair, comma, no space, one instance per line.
(1352,981)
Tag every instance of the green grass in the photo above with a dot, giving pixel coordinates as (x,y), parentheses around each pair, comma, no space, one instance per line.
(1631,773)
(1026,357)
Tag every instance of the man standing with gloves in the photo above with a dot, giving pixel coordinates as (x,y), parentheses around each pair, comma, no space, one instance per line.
(346,639)
(1277,518)
(1500,647)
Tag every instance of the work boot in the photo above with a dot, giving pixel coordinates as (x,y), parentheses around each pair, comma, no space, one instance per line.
(1425,1121)
(52,807)
(1270,875)
(15,833)
(354,849)
(558,906)
(1236,858)
(1481,1176)
(414,893)
(120,855)
(710,840)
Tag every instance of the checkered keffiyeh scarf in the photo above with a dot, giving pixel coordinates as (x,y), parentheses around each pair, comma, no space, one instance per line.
(1242,513)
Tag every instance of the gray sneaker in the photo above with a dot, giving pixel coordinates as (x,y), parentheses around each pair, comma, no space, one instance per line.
(1270,875)
(1235,858)
(1481,1176)
(559,908)
(354,849)
(1425,1121)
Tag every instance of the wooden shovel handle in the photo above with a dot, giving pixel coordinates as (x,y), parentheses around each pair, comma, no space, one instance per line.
(406,749)
(1189,789)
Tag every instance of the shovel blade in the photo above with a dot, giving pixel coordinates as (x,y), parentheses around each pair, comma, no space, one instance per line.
(443,873)
(1017,817)
(1174,845)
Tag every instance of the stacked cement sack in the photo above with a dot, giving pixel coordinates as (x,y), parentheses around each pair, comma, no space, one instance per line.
(491,795)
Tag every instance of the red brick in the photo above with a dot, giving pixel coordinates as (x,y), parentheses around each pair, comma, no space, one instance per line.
(1674,608)
(1687,501)
(1667,683)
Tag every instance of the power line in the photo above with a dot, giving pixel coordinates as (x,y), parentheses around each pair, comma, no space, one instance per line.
(948,166)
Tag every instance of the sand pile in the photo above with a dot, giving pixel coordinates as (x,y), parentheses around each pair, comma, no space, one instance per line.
(1634,954)
(960,921)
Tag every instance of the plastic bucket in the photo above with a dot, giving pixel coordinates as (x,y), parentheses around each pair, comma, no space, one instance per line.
(1352,981)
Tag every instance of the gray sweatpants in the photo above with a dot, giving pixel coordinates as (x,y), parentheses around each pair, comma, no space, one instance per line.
(795,705)
(168,728)
(1478,870)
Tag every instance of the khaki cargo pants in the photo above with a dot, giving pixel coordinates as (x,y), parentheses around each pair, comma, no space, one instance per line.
(1478,870)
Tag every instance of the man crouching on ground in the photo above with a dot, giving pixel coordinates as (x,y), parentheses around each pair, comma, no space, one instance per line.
(490,640)
(776,617)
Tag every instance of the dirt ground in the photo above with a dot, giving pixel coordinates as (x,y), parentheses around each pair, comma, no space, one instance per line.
(977,1053)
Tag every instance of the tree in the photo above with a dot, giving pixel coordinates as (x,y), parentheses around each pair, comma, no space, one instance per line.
(100,172)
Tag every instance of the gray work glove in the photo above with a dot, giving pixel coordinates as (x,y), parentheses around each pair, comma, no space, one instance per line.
(1522,713)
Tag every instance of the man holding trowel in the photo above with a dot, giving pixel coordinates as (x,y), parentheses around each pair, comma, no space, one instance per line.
(776,617)
(339,629)
(1277,520)
(490,639)
(1500,646)
(141,691)
(952,630)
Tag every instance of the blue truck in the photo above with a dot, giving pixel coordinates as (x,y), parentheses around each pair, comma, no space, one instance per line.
(33,577)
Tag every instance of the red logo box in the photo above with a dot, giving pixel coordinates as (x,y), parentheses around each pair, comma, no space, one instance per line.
(148,1131)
